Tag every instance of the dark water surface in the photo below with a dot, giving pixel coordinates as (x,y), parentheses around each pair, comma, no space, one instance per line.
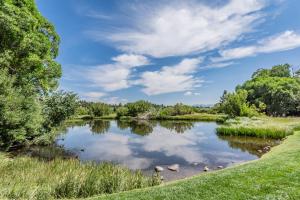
(146,144)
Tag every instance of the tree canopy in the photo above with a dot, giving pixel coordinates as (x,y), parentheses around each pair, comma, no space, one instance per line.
(29,74)
(277,88)
(28,45)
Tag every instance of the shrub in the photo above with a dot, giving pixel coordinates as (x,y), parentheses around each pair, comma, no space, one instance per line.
(99,109)
(138,107)
(235,104)
(58,107)
(122,111)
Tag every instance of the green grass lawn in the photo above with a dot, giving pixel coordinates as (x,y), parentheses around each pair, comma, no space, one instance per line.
(275,176)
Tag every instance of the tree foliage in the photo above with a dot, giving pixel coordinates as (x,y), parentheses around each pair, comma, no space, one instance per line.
(29,72)
(275,88)
(99,109)
(138,107)
(58,107)
(28,45)
(235,104)
(21,116)
(177,109)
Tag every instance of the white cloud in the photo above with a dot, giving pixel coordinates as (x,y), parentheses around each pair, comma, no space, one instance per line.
(116,76)
(131,60)
(190,93)
(282,42)
(188,27)
(169,79)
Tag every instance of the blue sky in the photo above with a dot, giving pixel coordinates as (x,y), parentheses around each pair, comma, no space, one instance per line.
(170,51)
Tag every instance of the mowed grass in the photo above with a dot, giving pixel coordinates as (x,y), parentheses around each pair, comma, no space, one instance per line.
(30,178)
(275,176)
(265,127)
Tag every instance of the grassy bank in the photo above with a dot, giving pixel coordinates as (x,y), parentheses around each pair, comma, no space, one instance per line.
(196,116)
(266,127)
(275,176)
(30,178)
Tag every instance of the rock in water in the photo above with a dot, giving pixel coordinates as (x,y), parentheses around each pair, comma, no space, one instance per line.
(174,167)
(159,169)
(206,169)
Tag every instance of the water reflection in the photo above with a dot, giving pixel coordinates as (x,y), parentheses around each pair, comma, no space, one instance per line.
(100,126)
(177,126)
(144,144)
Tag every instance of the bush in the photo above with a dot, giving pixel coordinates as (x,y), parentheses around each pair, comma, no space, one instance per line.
(138,107)
(58,107)
(122,111)
(178,109)
(99,109)
(82,111)
(235,104)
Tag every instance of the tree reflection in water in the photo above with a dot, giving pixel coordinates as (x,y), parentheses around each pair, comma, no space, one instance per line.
(139,127)
(177,126)
(99,126)
(248,144)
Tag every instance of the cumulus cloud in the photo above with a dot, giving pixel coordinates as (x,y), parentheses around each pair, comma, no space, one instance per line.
(116,76)
(281,42)
(169,79)
(177,29)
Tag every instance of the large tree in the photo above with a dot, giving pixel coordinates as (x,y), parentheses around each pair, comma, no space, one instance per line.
(276,88)
(28,45)
(28,70)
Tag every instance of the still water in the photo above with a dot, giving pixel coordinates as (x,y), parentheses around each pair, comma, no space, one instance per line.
(146,144)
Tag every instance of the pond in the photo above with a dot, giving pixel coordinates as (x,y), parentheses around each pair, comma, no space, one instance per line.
(146,144)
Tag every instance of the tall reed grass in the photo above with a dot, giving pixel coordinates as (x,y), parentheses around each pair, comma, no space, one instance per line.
(264,127)
(30,178)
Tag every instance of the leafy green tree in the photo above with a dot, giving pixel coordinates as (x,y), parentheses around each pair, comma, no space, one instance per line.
(278,91)
(82,110)
(275,71)
(281,71)
(58,107)
(28,45)
(181,109)
(122,111)
(138,107)
(20,114)
(99,109)
(235,104)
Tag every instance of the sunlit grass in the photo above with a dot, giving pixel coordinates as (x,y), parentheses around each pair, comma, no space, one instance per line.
(196,116)
(30,178)
(265,127)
